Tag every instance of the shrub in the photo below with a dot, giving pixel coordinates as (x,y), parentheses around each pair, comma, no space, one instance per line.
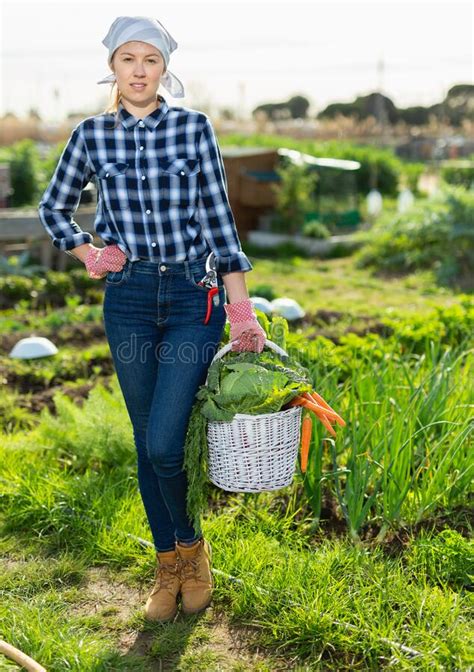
(460,173)
(54,289)
(293,198)
(265,291)
(58,286)
(23,159)
(435,234)
(14,288)
(315,229)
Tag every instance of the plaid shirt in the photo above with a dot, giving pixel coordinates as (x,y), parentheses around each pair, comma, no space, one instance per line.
(162,188)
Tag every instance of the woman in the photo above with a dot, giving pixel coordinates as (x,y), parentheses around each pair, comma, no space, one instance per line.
(162,212)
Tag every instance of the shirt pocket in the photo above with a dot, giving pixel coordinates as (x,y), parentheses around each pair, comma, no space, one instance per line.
(180,167)
(179,180)
(109,170)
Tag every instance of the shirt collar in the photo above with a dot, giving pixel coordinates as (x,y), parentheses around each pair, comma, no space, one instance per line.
(151,121)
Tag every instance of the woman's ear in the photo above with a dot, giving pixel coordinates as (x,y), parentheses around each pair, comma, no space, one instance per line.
(111,62)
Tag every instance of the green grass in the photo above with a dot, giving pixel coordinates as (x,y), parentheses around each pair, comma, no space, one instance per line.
(70,501)
(290,593)
(329,601)
(335,284)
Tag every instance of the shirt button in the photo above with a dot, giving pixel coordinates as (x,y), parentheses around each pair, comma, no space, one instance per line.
(106,174)
(143,177)
(162,267)
(140,123)
(181,172)
(148,212)
(153,244)
(141,147)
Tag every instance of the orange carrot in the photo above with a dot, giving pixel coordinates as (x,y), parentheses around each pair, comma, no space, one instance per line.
(306,429)
(327,411)
(319,414)
(323,403)
(317,410)
(313,406)
(317,397)
(328,426)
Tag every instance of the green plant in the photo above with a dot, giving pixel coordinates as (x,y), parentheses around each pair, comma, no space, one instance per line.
(411,173)
(20,265)
(288,251)
(58,287)
(14,288)
(13,416)
(293,198)
(24,160)
(38,287)
(405,453)
(315,229)
(264,290)
(445,557)
(434,234)
(461,173)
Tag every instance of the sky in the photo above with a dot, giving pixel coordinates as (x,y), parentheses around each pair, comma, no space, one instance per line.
(240,54)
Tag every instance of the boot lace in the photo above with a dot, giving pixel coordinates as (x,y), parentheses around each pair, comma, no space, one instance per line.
(189,568)
(164,576)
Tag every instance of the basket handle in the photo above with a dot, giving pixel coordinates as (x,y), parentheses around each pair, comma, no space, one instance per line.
(273,346)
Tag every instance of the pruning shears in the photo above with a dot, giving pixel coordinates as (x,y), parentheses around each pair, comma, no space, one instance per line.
(209,281)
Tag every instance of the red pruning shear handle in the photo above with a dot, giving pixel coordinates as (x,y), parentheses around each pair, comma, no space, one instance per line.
(209,281)
(210,300)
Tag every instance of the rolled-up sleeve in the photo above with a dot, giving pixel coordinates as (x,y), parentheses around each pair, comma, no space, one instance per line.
(214,211)
(63,194)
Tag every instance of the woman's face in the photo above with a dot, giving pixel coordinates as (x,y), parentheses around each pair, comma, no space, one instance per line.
(138,63)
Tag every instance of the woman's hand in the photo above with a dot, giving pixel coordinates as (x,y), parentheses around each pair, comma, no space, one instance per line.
(100,260)
(244,327)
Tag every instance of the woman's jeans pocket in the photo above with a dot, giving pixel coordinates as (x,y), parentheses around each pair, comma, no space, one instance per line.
(197,274)
(119,277)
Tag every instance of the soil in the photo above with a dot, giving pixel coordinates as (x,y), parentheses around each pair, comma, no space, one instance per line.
(106,595)
(77,334)
(77,393)
(329,323)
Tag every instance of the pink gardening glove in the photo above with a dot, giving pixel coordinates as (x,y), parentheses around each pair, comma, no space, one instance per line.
(245,327)
(100,260)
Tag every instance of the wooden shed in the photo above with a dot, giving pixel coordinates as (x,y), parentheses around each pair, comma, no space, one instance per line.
(250,173)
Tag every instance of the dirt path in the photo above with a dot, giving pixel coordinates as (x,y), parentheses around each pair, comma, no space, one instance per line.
(209,636)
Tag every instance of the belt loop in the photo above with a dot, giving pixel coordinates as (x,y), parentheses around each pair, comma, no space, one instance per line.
(186,268)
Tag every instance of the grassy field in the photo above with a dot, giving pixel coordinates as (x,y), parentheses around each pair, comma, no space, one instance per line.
(294,590)
(336,284)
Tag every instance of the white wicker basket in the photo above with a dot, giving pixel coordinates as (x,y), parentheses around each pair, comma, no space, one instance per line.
(253,453)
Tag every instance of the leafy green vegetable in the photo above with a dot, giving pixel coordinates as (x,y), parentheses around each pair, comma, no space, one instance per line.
(246,382)
(279,331)
(195,464)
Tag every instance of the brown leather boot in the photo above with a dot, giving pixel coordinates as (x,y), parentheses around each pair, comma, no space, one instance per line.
(161,605)
(197,582)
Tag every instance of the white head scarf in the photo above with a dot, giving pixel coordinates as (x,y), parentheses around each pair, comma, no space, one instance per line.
(144,29)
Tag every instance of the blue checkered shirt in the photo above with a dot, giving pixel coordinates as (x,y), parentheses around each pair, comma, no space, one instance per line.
(162,188)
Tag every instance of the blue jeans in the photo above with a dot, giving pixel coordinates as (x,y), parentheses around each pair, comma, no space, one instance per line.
(154,321)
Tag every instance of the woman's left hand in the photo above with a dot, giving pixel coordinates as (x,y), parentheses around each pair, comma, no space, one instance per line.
(250,340)
(244,327)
